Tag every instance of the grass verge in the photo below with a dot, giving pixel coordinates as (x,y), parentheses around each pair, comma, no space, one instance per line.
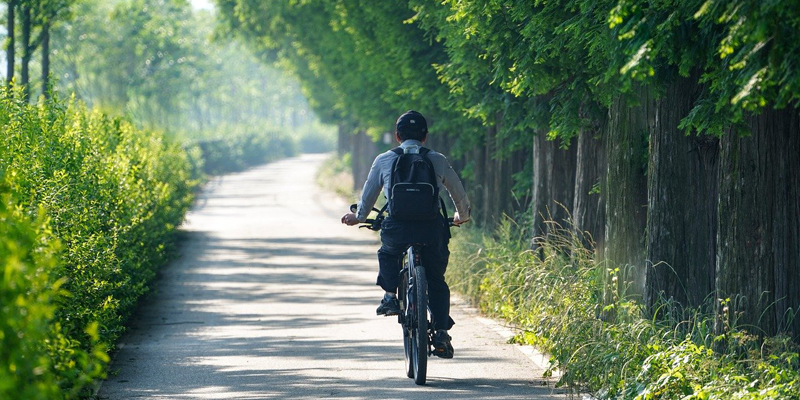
(335,175)
(554,296)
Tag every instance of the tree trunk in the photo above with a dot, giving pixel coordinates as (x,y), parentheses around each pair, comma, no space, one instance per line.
(488,176)
(496,186)
(553,185)
(26,50)
(758,245)
(588,210)
(518,162)
(626,193)
(355,161)
(46,60)
(343,139)
(500,167)
(682,204)
(10,53)
(542,160)
(364,152)
(476,183)
(442,143)
(562,183)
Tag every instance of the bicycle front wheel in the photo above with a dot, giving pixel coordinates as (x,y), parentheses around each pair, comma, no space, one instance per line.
(406,320)
(419,331)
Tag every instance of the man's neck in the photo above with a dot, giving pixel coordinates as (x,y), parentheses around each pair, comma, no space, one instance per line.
(411,142)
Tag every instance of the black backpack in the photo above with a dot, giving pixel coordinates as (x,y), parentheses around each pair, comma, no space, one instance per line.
(413,190)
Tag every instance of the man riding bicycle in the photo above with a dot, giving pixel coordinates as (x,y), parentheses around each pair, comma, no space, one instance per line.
(396,235)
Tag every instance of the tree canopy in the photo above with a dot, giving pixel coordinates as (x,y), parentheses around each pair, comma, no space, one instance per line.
(546,65)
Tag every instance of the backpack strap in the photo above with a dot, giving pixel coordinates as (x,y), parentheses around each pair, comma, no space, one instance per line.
(383,209)
(399,151)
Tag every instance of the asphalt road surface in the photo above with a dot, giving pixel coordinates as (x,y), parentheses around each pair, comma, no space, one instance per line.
(273,298)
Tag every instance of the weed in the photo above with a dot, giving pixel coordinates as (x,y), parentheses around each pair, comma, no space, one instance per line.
(563,300)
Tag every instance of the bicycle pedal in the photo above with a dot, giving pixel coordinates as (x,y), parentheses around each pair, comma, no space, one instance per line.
(441,353)
(388,314)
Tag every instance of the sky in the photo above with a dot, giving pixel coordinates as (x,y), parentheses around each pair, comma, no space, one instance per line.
(203,4)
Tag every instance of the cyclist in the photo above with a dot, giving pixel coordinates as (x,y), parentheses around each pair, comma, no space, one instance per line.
(411,132)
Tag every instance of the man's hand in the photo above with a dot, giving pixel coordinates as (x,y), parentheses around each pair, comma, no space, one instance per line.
(350,219)
(457,219)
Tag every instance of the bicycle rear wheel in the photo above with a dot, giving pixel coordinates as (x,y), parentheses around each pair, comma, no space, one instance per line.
(419,332)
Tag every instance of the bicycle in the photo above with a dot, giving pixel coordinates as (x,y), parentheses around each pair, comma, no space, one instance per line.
(415,316)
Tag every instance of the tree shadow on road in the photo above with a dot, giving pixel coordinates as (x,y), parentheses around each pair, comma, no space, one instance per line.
(220,327)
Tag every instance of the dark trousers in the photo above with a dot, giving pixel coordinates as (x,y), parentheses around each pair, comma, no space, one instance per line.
(396,236)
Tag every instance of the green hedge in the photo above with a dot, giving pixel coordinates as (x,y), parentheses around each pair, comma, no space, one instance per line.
(598,339)
(315,138)
(89,206)
(240,150)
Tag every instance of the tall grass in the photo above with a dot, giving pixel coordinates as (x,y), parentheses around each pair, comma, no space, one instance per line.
(336,175)
(559,299)
(88,206)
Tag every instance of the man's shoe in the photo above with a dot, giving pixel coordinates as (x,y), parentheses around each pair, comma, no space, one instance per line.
(441,344)
(389,306)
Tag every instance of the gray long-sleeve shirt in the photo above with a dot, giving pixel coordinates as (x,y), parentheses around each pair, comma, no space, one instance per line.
(381,171)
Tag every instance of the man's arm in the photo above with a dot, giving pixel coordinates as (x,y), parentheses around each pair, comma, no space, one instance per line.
(371,191)
(451,181)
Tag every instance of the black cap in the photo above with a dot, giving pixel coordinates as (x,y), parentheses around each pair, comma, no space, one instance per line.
(412,122)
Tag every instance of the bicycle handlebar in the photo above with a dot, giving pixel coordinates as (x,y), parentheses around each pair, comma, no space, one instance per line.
(374,224)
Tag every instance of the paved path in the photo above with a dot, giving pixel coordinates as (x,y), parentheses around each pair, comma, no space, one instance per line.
(273,298)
